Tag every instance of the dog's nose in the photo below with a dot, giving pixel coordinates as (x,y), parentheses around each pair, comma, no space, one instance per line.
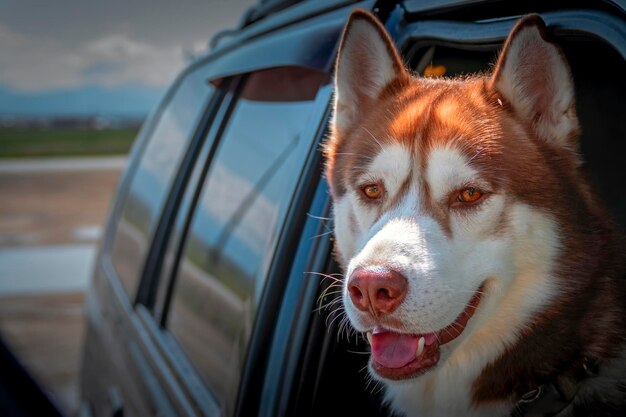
(378,290)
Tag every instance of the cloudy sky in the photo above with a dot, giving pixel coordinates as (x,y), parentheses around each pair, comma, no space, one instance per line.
(86,56)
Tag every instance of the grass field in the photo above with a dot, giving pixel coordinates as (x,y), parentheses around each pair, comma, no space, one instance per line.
(22,142)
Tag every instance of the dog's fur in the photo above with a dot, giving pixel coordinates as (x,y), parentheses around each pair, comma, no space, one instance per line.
(537,246)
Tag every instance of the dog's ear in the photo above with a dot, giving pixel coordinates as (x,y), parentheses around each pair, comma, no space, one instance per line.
(367,62)
(533,76)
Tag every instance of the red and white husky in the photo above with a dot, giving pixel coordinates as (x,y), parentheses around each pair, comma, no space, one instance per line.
(477,259)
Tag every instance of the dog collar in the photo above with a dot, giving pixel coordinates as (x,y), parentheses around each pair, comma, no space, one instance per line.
(554,398)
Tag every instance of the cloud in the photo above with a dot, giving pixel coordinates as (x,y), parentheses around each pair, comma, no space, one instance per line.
(131,61)
(65,44)
(34,63)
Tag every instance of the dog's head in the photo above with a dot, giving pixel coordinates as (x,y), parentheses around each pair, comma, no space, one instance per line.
(447,195)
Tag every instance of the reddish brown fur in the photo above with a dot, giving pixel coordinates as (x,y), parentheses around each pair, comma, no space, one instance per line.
(478,129)
(471,115)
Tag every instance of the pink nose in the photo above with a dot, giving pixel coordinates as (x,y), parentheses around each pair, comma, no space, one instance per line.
(378,290)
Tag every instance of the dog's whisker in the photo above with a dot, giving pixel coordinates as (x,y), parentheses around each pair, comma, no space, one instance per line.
(364,369)
(322,234)
(326,306)
(313,216)
(332,286)
(328,292)
(379,386)
(331,290)
(373,137)
(338,309)
(356,352)
(343,328)
(346,327)
(342,324)
(346,153)
(331,277)
(330,304)
(334,315)
(329,299)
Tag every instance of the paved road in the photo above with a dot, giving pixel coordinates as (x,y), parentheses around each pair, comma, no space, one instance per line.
(51,268)
(54,201)
(51,217)
(28,165)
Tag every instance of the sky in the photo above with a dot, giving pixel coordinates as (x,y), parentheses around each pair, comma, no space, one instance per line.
(81,57)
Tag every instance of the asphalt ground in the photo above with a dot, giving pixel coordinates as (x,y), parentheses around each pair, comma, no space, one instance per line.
(51,216)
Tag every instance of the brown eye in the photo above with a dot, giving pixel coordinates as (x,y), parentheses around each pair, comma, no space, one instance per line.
(372,191)
(469,195)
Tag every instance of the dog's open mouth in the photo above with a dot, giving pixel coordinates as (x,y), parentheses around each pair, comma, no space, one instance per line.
(400,356)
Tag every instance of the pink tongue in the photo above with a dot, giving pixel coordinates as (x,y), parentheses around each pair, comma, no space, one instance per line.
(393,350)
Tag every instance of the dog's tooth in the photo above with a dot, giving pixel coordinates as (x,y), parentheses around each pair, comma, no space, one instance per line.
(420,347)
(369,337)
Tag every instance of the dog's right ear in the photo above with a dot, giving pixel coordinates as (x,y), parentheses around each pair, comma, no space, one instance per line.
(533,75)
(367,62)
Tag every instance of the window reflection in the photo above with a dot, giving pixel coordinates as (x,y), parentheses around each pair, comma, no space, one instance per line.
(234,230)
(153,177)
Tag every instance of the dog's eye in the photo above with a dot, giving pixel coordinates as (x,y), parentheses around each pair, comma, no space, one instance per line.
(469,195)
(372,191)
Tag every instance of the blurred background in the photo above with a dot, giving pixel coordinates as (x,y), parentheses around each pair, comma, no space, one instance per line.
(77,80)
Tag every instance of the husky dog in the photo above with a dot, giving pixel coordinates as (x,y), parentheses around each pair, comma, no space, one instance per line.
(478,262)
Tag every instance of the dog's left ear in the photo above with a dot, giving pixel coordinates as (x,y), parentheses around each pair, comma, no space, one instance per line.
(534,77)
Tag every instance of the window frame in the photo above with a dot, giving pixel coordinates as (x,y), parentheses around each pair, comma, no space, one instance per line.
(263,327)
(489,35)
(161,292)
(200,138)
(282,259)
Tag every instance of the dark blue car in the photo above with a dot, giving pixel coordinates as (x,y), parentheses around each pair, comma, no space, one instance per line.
(211,294)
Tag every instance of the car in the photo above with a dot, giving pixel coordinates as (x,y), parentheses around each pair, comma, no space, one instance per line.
(215,291)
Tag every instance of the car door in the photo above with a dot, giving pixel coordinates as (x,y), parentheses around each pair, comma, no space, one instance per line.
(192,268)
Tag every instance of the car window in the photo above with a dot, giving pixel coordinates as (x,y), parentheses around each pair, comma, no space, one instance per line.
(153,176)
(237,221)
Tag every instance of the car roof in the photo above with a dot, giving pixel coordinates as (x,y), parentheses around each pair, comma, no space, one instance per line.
(264,8)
